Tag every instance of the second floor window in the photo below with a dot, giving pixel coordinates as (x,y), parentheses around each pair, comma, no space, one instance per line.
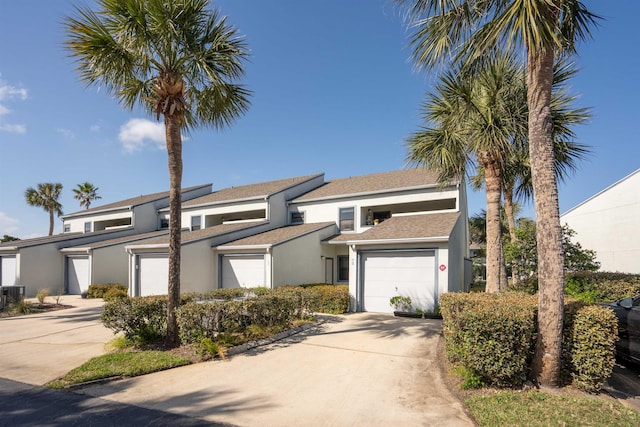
(346,219)
(87,227)
(297,217)
(164,223)
(195,223)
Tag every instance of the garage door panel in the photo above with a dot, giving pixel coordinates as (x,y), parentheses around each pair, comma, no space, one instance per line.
(8,270)
(243,271)
(387,274)
(153,275)
(77,275)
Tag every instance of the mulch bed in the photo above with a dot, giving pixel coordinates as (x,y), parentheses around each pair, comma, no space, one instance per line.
(35,309)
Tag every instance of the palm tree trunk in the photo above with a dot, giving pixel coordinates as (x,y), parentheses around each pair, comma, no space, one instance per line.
(174,149)
(511,220)
(496,278)
(547,361)
(51,222)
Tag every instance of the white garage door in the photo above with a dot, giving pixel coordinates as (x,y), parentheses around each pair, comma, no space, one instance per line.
(77,274)
(242,271)
(8,270)
(153,274)
(387,274)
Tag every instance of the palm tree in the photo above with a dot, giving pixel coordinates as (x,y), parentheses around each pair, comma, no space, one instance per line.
(175,58)
(474,119)
(46,197)
(465,30)
(86,193)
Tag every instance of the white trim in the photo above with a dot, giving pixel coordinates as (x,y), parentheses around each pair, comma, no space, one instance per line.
(130,248)
(368,193)
(392,241)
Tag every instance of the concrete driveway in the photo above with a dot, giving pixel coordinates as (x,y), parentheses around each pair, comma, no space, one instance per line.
(38,348)
(357,369)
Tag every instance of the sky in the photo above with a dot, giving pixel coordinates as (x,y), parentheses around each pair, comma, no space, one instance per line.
(333,88)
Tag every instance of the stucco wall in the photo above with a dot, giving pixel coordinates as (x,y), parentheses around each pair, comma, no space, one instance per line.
(457,252)
(110,265)
(608,224)
(41,267)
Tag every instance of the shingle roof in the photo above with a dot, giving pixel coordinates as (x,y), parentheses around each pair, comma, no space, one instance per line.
(134,201)
(262,189)
(204,233)
(385,181)
(126,239)
(52,239)
(410,227)
(279,235)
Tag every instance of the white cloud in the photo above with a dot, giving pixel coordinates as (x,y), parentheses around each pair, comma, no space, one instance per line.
(13,128)
(138,134)
(8,225)
(8,92)
(67,133)
(94,128)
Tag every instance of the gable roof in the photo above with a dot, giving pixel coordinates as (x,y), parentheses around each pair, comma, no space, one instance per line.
(17,244)
(602,192)
(424,227)
(373,183)
(260,190)
(130,203)
(277,236)
(203,233)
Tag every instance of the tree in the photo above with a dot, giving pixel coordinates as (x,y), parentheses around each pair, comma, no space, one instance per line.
(474,119)
(46,197)
(86,193)
(523,253)
(466,30)
(174,58)
(7,238)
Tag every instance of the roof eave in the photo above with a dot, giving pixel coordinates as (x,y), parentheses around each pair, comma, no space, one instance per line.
(368,193)
(391,241)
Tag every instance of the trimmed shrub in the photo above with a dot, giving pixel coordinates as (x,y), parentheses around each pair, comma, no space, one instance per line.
(491,335)
(226,294)
(593,335)
(320,297)
(114,293)
(141,319)
(98,290)
(272,310)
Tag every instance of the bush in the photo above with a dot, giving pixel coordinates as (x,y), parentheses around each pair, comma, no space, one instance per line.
(593,336)
(41,295)
(491,335)
(141,319)
(321,298)
(114,293)
(226,294)
(98,290)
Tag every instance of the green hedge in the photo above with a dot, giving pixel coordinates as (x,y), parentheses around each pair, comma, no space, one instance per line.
(492,336)
(589,286)
(98,290)
(320,298)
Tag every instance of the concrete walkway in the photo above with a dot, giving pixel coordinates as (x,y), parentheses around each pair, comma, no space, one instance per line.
(38,348)
(358,369)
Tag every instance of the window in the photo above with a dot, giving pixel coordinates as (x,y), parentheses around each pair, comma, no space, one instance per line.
(87,227)
(195,223)
(343,268)
(346,219)
(67,228)
(297,217)
(164,223)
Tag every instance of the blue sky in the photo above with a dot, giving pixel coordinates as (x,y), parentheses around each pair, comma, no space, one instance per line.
(334,92)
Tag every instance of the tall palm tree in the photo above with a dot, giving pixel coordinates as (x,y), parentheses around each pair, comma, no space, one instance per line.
(464,30)
(174,58)
(46,197)
(86,193)
(473,120)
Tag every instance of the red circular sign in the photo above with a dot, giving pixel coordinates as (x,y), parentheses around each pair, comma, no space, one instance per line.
(443,267)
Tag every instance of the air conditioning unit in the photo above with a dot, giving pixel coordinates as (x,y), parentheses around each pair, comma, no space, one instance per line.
(10,294)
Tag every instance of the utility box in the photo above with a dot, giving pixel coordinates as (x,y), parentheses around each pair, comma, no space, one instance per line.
(10,294)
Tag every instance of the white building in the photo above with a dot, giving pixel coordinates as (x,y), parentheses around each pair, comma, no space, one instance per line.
(608,224)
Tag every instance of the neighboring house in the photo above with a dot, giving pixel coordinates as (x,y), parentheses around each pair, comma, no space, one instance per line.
(401,233)
(213,219)
(40,264)
(608,224)
(138,213)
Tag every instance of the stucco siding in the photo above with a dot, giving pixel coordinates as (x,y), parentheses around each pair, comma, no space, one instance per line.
(110,265)
(299,261)
(41,267)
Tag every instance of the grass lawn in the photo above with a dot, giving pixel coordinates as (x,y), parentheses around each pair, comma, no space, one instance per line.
(536,408)
(127,364)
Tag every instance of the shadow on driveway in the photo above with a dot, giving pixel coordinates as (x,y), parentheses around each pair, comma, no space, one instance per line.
(26,405)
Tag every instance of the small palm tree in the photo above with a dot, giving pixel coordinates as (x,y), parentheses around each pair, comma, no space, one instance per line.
(174,58)
(86,193)
(46,197)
